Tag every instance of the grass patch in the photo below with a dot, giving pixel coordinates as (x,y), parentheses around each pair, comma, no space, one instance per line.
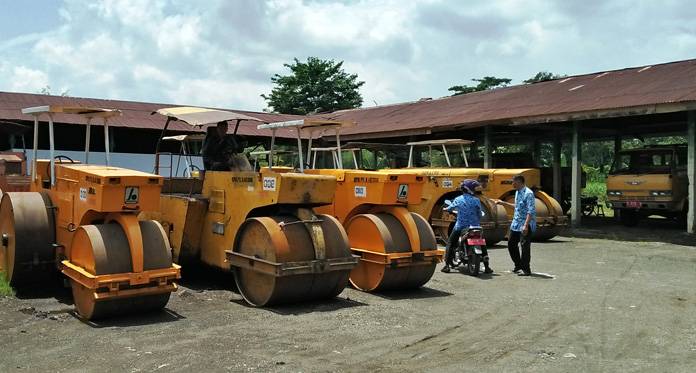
(5,288)
(596,188)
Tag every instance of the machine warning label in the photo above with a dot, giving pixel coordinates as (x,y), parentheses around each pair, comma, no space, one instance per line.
(131,195)
(242,179)
(403,191)
(360,191)
(366,180)
(83,194)
(269,183)
(447,184)
(92,179)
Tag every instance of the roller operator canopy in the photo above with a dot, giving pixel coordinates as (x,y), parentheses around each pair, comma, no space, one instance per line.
(306,124)
(77,110)
(198,117)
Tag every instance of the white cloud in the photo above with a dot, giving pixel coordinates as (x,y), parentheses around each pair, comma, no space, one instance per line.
(219,94)
(24,79)
(224,53)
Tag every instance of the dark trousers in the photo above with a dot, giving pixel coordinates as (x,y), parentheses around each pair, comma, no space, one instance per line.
(451,243)
(525,242)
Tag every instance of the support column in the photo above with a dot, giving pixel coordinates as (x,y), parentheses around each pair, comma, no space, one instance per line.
(690,168)
(487,147)
(557,176)
(577,175)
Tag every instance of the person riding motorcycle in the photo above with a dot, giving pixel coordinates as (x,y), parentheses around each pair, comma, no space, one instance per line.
(469,212)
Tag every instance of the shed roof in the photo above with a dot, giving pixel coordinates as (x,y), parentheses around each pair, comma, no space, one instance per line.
(662,88)
(137,115)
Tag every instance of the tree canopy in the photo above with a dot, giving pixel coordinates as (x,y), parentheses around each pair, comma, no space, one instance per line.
(488,82)
(543,76)
(314,86)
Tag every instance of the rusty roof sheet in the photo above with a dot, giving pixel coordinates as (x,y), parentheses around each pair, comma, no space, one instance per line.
(136,115)
(641,90)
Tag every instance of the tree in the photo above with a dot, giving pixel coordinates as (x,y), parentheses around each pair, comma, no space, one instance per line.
(543,76)
(488,82)
(315,86)
(47,91)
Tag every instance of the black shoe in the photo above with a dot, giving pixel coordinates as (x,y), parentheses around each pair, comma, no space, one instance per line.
(446,269)
(488,270)
(524,273)
(516,270)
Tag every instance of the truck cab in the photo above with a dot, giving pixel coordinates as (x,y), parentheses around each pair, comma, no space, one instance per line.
(649,181)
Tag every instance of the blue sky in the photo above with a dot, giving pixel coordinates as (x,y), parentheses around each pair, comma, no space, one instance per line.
(223,53)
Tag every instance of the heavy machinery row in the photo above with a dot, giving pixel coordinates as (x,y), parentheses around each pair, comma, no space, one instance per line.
(288,234)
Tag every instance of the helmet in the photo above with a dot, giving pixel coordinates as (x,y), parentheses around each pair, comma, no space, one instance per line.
(469,186)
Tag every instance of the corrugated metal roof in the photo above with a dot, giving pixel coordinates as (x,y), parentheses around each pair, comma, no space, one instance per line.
(640,90)
(133,114)
(659,88)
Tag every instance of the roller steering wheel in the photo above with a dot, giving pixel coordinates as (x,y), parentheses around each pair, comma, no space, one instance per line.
(58,157)
(306,166)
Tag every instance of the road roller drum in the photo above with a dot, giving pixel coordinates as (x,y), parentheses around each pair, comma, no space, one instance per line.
(27,231)
(397,248)
(289,241)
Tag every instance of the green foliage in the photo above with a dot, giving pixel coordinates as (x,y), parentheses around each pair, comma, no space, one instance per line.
(314,86)
(5,288)
(596,188)
(488,82)
(543,76)
(47,91)
(595,174)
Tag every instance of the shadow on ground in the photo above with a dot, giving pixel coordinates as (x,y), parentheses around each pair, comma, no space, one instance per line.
(651,229)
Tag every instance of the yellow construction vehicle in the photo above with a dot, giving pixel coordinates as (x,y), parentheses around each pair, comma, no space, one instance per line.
(649,181)
(397,248)
(260,225)
(444,165)
(81,218)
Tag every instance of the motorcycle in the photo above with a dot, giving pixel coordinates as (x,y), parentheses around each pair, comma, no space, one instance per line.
(469,249)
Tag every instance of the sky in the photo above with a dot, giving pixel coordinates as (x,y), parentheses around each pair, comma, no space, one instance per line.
(223,53)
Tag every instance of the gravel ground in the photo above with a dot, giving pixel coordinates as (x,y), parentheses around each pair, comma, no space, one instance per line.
(602,299)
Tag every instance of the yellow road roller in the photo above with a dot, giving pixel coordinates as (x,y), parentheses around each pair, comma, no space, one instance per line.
(260,225)
(444,165)
(397,248)
(81,218)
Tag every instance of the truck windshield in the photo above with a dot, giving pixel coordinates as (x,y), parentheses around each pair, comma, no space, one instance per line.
(643,162)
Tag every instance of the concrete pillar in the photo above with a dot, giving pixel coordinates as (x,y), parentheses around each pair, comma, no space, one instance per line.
(576,208)
(487,147)
(691,167)
(557,176)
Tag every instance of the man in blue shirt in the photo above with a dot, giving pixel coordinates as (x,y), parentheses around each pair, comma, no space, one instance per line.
(468,214)
(522,225)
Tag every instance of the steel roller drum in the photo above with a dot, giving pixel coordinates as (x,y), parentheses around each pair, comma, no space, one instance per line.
(103,249)
(27,234)
(263,238)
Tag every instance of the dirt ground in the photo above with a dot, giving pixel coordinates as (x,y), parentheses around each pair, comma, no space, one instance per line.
(602,298)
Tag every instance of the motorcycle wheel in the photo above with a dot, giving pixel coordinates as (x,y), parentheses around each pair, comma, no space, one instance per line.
(473,265)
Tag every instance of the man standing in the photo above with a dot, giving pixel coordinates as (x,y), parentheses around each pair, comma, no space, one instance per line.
(522,225)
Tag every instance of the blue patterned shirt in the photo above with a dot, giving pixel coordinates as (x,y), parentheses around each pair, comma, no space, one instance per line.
(524,204)
(468,211)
